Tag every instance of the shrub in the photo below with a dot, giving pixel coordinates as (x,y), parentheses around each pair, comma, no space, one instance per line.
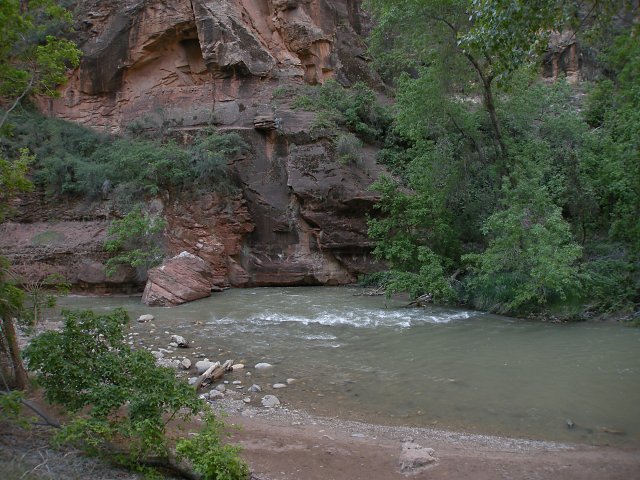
(348,148)
(135,241)
(125,399)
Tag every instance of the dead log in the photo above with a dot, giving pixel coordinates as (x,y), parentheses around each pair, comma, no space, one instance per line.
(213,373)
(421,301)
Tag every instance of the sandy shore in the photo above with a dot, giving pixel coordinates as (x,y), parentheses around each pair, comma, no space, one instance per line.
(282,444)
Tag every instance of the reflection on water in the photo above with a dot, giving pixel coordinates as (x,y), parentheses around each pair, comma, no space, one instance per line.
(367,358)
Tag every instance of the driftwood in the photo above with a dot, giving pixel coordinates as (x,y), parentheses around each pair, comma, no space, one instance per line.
(213,373)
(421,301)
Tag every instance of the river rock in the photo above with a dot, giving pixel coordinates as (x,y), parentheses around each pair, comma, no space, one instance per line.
(185,364)
(192,380)
(263,366)
(183,278)
(279,385)
(157,355)
(255,388)
(221,388)
(215,394)
(237,382)
(291,381)
(179,341)
(270,401)
(146,318)
(237,366)
(246,400)
(203,365)
(415,458)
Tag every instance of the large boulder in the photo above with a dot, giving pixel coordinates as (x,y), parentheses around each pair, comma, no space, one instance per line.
(183,278)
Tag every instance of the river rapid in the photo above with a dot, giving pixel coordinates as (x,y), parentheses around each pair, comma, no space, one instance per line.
(370,359)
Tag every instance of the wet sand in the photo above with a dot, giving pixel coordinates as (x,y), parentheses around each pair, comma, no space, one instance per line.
(281,444)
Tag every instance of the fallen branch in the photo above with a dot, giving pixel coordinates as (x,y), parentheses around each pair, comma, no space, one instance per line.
(421,301)
(48,421)
(213,373)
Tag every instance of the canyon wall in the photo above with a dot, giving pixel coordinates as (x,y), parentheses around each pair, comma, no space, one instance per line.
(182,66)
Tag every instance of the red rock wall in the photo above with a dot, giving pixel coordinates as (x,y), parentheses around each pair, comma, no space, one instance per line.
(300,215)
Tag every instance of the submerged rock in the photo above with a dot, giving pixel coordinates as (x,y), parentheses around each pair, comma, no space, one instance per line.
(255,388)
(263,366)
(146,318)
(279,385)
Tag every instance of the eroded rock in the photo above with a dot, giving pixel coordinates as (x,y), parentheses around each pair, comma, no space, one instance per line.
(180,279)
(415,458)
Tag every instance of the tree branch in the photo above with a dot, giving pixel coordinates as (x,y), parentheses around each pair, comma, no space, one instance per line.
(17,101)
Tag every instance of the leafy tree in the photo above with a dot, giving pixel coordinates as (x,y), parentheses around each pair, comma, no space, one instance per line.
(126,400)
(531,258)
(134,241)
(34,57)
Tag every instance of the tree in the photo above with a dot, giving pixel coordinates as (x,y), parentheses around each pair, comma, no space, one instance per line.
(134,241)
(34,58)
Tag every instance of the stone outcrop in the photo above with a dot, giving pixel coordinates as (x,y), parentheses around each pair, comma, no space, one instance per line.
(298,215)
(180,279)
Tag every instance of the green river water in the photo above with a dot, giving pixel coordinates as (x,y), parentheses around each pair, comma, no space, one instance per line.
(368,358)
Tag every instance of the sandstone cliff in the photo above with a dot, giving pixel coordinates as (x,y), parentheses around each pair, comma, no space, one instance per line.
(184,65)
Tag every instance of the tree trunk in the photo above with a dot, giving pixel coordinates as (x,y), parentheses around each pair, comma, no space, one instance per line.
(19,372)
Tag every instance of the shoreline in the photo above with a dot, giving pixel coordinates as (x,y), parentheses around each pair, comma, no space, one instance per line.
(287,444)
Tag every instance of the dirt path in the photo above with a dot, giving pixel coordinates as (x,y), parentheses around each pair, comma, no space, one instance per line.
(282,445)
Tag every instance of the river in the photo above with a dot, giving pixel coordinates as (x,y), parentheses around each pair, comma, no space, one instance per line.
(368,358)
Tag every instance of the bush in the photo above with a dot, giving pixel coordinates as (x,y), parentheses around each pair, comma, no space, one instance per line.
(135,241)
(355,108)
(74,160)
(348,148)
(125,399)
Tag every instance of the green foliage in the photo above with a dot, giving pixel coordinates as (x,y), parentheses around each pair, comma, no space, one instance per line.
(348,148)
(13,179)
(134,240)
(531,258)
(209,457)
(74,160)
(355,108)
(125,399)
(498,175)
(33,55)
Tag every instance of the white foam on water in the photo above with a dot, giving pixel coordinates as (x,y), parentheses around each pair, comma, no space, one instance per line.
(358,317)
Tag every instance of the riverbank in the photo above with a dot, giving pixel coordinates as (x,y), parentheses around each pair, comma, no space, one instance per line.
(283,444)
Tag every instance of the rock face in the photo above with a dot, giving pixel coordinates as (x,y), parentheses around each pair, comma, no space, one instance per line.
(180,279)
(299,215)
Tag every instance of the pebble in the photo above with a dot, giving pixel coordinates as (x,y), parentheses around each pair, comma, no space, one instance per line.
(221,388)
(237,382)
(255,388)
(263,366)
(279,385)
(173,344)
(146,318)
(185,364)
(193,380)
(270,401)
(246,400)
(237,366)
(290,381)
